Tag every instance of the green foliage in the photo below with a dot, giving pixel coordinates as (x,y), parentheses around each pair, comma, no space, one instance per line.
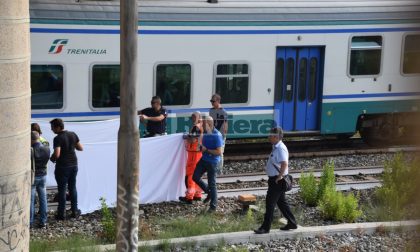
(308,189)
(75,243)
(351,205)
(327,179)
(108,222)
(400,184)
(332,204)
(336,206)
(311,191)
(207,224)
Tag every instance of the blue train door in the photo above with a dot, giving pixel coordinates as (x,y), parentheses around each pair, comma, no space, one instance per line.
(297,89)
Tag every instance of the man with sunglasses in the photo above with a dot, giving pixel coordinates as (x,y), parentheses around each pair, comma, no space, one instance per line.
(154,118)
(220,116)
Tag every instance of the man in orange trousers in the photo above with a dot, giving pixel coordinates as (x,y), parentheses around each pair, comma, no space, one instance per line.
(192,145)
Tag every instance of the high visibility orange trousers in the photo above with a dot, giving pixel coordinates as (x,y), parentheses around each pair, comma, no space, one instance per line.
(193,190)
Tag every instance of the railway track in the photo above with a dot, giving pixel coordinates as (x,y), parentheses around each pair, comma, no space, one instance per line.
(345,171)
(357,178)
(343,175)
(309,148)
(260,191)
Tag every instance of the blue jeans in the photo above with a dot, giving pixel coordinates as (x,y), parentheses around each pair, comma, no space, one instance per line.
(66,176)
(40,187)
(210,188)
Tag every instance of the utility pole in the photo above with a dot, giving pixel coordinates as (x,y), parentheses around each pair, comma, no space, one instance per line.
(128,134)
(15,111)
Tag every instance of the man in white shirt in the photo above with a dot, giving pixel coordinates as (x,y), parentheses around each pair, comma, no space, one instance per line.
(276,169)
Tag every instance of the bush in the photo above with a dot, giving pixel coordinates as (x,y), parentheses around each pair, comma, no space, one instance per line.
(329,203)
(308,189)
(108,223)
(399,187)
(339,207)
(332,204)
(351,211)
(327,179)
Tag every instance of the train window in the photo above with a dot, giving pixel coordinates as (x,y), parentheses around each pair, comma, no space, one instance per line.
(365,55)
(232,82)
(105,86)
(46,86)
(411,56)
(173,83)
(278,95)
(290,73)
(302,79)
(312,79)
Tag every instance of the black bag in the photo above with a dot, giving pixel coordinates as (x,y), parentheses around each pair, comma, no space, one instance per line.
(288,182)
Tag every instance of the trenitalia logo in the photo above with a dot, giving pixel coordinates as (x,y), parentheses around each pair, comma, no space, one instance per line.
(57,46)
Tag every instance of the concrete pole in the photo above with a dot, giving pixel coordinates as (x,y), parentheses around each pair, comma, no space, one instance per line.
(15,110)
(128,134)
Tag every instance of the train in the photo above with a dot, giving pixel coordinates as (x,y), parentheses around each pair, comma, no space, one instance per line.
(311,67)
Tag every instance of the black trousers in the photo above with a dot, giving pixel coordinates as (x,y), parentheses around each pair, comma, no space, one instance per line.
(276,195)
(66,176)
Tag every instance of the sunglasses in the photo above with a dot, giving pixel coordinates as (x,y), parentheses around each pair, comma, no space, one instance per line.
(154,102)
(212,101)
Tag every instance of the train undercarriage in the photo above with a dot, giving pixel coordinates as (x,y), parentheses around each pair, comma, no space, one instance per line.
(390,128)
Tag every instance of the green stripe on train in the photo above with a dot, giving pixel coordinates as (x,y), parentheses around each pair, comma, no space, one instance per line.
(342,117)
(239,126)
(336,118)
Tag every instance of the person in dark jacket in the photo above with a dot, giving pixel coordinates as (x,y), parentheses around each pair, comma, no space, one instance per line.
(40,155)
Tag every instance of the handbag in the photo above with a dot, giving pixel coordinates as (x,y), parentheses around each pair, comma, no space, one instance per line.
(287,181)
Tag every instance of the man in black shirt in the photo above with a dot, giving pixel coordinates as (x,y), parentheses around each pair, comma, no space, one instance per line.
(65,144)
(154,118)
(40,155)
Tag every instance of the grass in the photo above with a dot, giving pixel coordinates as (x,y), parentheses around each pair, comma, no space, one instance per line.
(208,224)
(170,228)
(74,243)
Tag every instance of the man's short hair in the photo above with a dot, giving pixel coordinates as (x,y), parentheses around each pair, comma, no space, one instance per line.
(277,131)
(196,113)
(35,127)
(209,120)
(57,122)
(156,98)
(217,97)
(34,135)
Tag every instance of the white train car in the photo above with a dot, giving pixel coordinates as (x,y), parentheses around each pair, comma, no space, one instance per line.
(312,67)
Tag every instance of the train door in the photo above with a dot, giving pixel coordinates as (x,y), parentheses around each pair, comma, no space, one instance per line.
(298,88)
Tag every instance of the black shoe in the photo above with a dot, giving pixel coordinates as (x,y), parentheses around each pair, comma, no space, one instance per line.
(185,200)
(288,227)
(59,217)
(207,199)
(75,214)
(197,198)
(42,225)
(261,231)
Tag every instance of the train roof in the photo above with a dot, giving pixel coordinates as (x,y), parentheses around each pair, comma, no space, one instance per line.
(231,10)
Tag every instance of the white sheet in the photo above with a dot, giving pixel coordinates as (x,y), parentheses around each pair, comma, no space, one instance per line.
(162,164)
